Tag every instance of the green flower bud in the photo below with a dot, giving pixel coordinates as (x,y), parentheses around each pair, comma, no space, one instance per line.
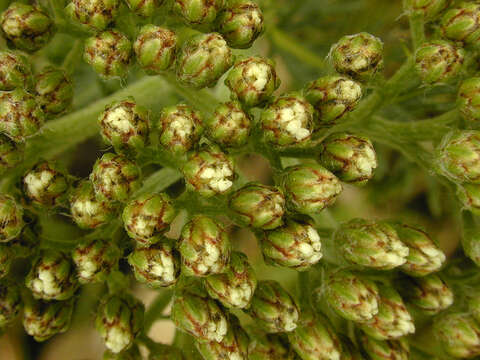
(44,319)
(438,61)
(269,347)
(371,244)
(333,97)
(10,303)
(385,349)
(259,206)
(352,297)
(234,345)
(459,156)
(11,153)
(209,172)
(132,353)
(392,320)
(430,294)
(204,246)
(46,185)
(11,218)
(315,339)
(296,245)
(15,71)
(115,178)
(474,307)
(108,53)
(461,23)
(230,125)
(352,158)
(195,313)
(471,246)
(157,266)
(241,23)
(26,27)
(234,288)
(147,217)
(288,120)
(469,195)
(310,188)
(359,56)
(253,80)
(87,211)
(459,334)
(95,259)
(96,14)
(468,100)
(144,8)
(198,12)
(52,277)
(424,256)
(54,90)
(124,124)
(119,320)
(203,59)
(273,308)
(166,352)
(180,128)
(20,115)
(6,258)
(155,48)
(428,8)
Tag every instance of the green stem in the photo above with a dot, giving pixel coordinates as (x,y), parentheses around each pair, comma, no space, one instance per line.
(417,29)
(155,310)
(73,56)
(304,290)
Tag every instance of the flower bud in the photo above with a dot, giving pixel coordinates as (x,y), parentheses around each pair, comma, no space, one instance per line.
(108,53)
(95,259)
(198,12)
(259,206)
(6,258)
(20,115)
(209,172)
(15,71)
(180,128)
(315,339)
(10,303)
(273,308)
(253,80)
(11,153)
(459,334)
(350,157)
(438,61)
(385,349)
(119,320)
(52,276)
(424,256)
(26,27)
(87,211)
(132,353)
(234,345)
(333,97)
(195,313)
(230,125)
(234,288)
(144,8)
(46,185)
(270,347)
(310,188)
(155,48)
(11,218)
(371,244)
(95,14)
(157,266)
(288,120)
(44,319)
(241,23)
(352,297)
(203,59)
(469,195)
(359,56)
(468,99)
(147,217)
(392,320)
(204,246)
(54,90)
(296,245)
(459,156)
(428,8)
(430,294)
(461,23)
(115,178)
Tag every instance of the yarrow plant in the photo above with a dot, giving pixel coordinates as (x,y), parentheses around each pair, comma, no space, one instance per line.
(145,144)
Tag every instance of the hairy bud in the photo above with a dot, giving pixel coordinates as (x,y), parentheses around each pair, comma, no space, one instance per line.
(198,12)
(385,349)
(11,218)
(54,90)
(469,195)
(229,126)
(96,14)
(10,303)
(461,23)
(430,9)
(155,48)
(468,99)
(11,153)
(15,71)
(459,334)
(145,8)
